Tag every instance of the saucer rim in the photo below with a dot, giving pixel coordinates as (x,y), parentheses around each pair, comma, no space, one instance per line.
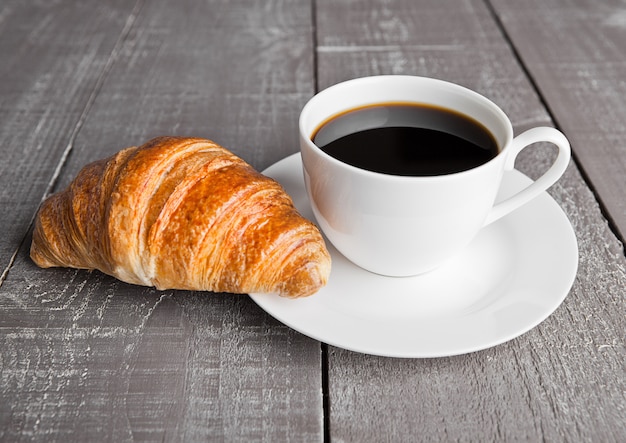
(264,301)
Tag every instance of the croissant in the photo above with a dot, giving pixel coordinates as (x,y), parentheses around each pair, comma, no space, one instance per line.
(182,213)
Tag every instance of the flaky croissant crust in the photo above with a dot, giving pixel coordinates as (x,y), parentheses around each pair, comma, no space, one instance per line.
(182,213)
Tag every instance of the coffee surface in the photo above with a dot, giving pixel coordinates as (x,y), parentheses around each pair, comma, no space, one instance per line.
(406,140)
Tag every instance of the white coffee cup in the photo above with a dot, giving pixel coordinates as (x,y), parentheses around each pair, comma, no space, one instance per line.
(401,226)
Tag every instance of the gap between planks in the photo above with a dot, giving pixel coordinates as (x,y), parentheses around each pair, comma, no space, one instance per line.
(325,393)
(603,210)
(130,21)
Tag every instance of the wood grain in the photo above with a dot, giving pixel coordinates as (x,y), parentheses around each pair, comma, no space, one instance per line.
(564,380)
(576,53)
(229,71)
(54,55)
(87,358)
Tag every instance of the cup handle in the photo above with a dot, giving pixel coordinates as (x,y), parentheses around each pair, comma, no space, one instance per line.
(541,134)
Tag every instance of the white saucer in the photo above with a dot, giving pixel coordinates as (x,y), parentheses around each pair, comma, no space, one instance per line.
(511,278)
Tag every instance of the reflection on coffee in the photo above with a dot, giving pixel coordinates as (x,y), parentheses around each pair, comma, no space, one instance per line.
(406,139)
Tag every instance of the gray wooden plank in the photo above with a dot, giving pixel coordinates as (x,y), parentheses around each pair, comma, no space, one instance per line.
(47,76)
(576,54)
(238,75)
(562,381)
(88,358)
(85,357)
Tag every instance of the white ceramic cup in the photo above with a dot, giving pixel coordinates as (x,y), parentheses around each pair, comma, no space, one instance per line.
(398,225)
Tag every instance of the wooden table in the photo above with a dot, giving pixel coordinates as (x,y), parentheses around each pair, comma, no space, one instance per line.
(84,357)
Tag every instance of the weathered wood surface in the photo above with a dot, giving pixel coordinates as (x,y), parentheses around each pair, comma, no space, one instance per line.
(564,380)
(87,358)
(54,56)
(84,357)
(576,53)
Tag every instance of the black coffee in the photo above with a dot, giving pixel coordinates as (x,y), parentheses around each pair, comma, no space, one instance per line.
(406,139)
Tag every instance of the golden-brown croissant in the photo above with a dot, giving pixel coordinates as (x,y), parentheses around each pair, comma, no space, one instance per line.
(182,213)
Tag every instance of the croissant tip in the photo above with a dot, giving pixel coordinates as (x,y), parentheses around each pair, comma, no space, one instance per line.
(307,281)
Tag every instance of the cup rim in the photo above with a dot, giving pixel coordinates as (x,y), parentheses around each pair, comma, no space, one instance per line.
(473,95)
